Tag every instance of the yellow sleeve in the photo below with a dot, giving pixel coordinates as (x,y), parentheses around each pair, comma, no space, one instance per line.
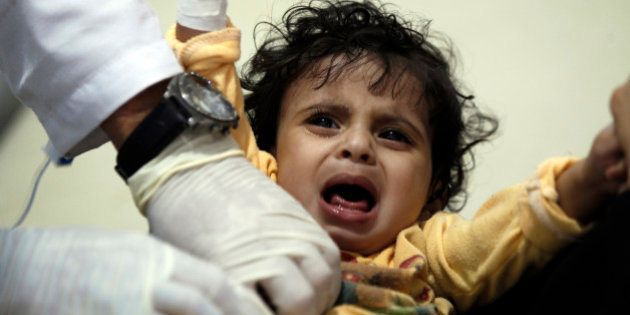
(213,55)
(473,261)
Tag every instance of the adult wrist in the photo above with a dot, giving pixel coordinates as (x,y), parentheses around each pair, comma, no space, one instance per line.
(121,123)
(190,102)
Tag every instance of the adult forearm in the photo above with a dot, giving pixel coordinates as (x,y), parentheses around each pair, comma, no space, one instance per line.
(119,125)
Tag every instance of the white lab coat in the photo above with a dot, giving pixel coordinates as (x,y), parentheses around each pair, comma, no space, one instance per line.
(75,62)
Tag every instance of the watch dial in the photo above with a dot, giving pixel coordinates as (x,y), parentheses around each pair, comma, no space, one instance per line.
(199,94)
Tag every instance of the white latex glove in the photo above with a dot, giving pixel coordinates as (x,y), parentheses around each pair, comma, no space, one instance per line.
(81,271)
(202,195)
(203,15)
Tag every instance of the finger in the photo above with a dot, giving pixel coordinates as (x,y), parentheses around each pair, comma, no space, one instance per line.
(176,298)
(606,148)
(327,247)
(611,145)
(620,109)
(290,292)
(617,171)
(213,283)
(324,278)
(310,233)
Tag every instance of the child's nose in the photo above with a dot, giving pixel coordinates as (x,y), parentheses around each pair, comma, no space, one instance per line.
(357,146)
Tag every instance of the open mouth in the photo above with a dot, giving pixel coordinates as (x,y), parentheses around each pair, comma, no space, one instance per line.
(349,197)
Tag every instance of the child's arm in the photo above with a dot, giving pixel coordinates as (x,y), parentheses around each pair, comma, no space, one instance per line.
(583,187)
(523,226)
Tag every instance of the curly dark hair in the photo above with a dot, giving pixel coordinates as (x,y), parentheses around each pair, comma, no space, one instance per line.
(311,32)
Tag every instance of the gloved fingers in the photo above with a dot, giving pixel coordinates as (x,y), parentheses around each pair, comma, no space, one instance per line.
(321,272)
(290,292)
(215,286)
(241,250)
(291,240)
(324,278)
(325,246)
(170,297)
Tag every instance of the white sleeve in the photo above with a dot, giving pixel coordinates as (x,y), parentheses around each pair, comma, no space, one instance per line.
(75,62)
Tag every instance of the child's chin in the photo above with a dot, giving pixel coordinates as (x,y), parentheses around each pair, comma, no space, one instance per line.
(348,241)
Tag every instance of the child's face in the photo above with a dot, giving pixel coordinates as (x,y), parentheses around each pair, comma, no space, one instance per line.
(359,161)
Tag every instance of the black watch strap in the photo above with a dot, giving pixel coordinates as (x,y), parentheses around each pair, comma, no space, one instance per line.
(150,137)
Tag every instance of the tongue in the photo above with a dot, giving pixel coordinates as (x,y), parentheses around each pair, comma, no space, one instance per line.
(358,205)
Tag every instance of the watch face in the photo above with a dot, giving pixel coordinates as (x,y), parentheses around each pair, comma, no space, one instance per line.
(198,93)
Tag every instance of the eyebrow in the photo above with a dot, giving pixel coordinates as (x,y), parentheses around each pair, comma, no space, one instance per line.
(328,106)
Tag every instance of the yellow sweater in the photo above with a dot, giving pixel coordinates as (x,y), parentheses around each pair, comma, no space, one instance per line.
(467,262)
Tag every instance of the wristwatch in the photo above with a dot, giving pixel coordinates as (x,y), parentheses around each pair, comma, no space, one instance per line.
(190,101)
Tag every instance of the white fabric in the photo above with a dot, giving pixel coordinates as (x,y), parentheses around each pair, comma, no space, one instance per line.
(203,15)
(80,271)
(228,212)
(75,62)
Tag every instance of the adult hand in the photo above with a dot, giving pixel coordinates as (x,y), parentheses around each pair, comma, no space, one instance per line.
(604,171)
(591,181)
(604,165)
(620,108)
(81,271)
(216,205)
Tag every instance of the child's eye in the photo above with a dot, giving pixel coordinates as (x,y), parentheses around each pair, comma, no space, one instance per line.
(322,121)
(394,135)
